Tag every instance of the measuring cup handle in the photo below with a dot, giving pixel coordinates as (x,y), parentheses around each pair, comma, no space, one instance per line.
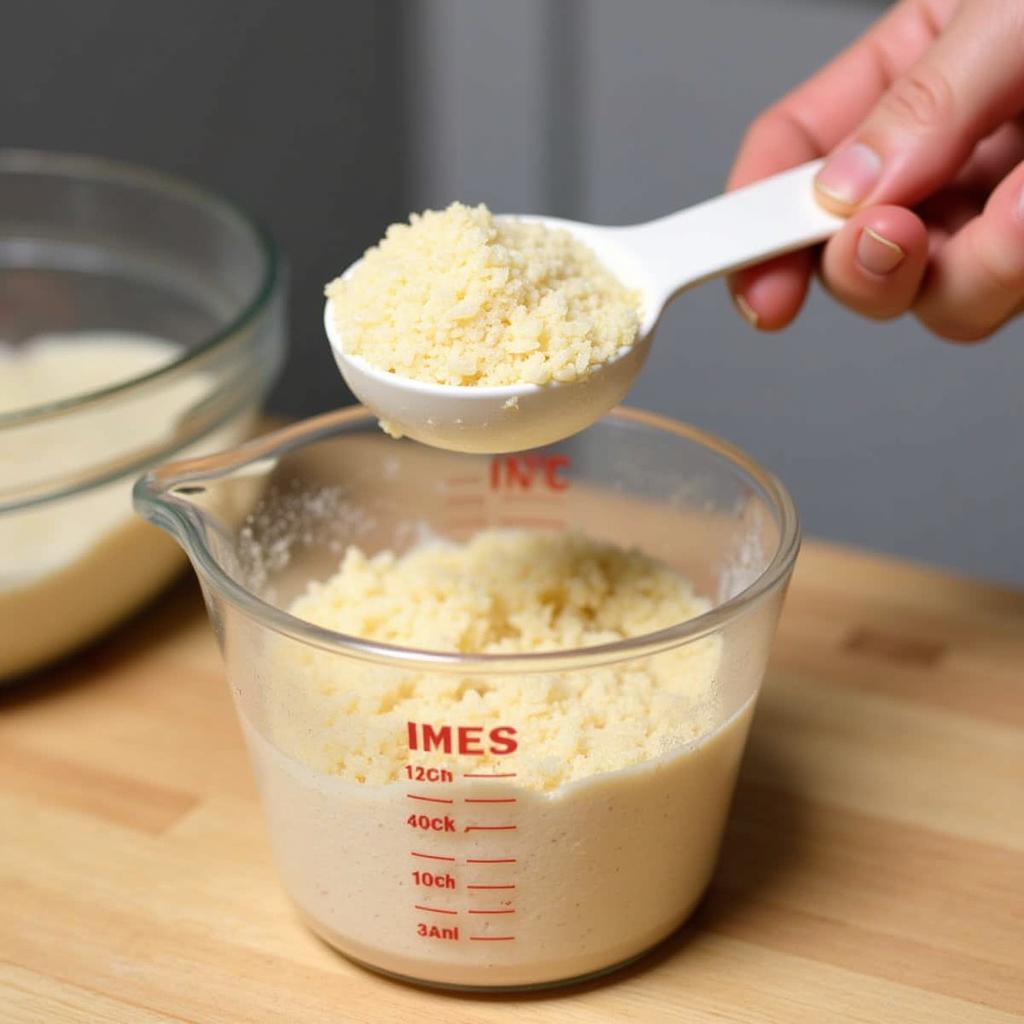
(771,217)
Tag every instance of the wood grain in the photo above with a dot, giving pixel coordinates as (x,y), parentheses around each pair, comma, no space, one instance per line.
(873,870)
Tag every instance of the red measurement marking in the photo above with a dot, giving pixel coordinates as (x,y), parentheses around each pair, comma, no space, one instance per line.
(490,828)
(428,774)
(430,799)
(488,775)
(491,938)
(491,860)
(492,911)
(434,910)
(472,740)
(540,522)
(490,800)
(490,886)
(509,472)
(533,496)
(461,481)
(430,856)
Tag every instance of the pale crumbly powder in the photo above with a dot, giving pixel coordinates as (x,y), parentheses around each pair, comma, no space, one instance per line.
(507,592)
(460,297)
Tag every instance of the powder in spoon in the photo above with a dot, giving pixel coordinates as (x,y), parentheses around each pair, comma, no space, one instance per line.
(460,297)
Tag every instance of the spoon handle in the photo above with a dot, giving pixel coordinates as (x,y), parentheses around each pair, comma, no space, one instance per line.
(731,231)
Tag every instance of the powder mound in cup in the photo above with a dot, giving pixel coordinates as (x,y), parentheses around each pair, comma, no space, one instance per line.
(503,592)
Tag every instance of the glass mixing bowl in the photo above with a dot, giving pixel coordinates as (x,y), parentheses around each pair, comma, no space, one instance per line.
(420,843)
(87,246)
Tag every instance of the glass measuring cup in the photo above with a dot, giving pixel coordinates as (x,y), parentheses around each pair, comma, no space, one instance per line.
(455,847)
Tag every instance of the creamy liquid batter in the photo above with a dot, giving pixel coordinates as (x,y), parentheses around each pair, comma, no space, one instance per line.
(73,566)
(605,867)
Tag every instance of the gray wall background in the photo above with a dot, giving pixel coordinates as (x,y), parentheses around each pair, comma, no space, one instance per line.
(331,119)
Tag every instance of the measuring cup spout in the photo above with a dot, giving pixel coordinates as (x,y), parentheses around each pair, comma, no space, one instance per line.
(153,500)
(169,497)
(201,502)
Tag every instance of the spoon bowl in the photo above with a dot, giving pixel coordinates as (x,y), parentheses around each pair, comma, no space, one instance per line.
(489,420)
(659,259)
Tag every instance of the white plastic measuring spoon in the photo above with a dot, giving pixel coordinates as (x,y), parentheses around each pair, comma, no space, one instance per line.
(661,259)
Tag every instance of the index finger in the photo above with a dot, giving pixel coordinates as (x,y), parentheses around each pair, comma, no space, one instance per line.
(812,119)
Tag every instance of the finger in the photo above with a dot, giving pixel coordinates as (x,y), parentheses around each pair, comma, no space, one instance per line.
(946,213)
(770,295)
(874,265)
(930,119)
(807,123)
(825,109)
(993,158)
(976,280)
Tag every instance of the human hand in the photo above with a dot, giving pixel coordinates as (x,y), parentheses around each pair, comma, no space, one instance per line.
(923,119)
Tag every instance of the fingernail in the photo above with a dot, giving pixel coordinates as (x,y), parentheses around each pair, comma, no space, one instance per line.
(747,311)
(849,175)
(1020,205)
(878,254)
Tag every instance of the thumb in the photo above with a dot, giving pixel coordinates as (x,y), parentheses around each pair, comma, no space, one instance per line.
(928,122)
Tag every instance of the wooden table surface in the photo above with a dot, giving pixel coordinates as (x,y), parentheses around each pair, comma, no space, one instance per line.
(873,869)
